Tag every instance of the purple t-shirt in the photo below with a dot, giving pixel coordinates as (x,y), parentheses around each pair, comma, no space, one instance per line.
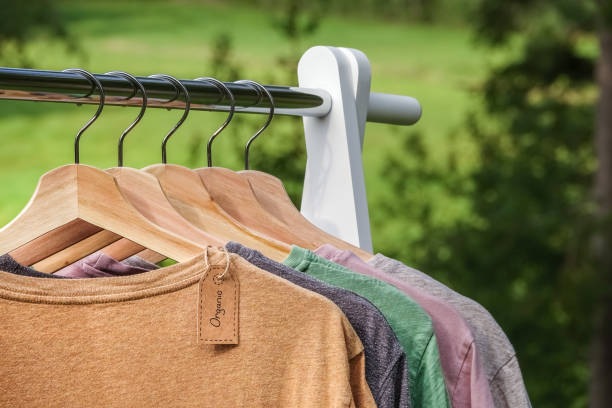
(100,265)
(464,374)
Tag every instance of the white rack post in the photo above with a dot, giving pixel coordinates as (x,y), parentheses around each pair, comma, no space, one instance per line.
(334,196)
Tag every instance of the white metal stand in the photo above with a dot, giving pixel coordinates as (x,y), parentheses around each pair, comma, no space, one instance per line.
(334,196)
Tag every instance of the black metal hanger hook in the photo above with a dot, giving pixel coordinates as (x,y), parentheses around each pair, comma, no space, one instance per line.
(261,89)
(137,86)
(95,84)
(179,85)
(222,87)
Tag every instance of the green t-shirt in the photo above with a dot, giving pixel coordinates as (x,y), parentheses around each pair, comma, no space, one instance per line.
(411,324)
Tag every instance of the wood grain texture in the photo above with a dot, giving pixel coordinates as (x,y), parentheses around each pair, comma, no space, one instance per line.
(189,197)
(149,256)
(145,193)
(235,196)
(124,248)
(53,204)
(43,247)
(75,252)
(272,196)
(82,192)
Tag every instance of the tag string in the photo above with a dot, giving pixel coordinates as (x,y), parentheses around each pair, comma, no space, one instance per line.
(227,260)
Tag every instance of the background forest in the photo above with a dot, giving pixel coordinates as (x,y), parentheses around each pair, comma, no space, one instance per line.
(503,190)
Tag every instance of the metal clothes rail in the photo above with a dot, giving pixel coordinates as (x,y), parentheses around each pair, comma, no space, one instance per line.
(58,86)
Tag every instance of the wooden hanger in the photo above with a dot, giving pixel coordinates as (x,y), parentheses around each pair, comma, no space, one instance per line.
(82,192)
(259,200)
(231,194)
(79,192)
(187,194)
(144,192)
(189,197)
(61,238)
(271,194)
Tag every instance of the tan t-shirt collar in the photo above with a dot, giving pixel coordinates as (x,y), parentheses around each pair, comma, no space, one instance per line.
(105,290)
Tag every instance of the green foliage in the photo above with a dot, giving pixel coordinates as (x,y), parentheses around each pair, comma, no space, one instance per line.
(222,61)
(496,21)
(525,252)
(22,21)
(299,18)
(397,10)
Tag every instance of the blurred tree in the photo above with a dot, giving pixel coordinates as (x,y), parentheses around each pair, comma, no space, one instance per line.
(222,61)
(549,79)
(601,357)
(297,21)
(24,21)
(536,252)
(399,10)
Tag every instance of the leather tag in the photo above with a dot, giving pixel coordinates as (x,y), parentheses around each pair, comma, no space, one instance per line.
(218,307)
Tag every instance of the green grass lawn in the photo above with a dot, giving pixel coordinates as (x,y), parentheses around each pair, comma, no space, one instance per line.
(438,65)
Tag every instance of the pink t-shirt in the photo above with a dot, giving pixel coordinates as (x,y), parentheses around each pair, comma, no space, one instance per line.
(464,375)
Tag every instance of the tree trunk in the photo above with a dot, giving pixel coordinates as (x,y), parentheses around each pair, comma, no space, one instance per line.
(601,355)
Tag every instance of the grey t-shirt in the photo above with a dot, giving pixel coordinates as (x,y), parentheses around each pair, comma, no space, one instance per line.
(498,355)
(8,264)
(386,366)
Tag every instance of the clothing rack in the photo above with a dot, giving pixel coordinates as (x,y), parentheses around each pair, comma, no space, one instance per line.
(334,99)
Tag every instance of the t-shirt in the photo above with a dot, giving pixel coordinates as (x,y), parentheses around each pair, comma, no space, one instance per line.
(465,378)
(411,324)
(96,265)
(8,264)
(386,369)
(498,356)
(149,340)
(100,265)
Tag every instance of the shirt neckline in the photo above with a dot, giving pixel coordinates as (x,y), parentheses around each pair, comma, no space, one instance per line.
(112,289)
(296,257)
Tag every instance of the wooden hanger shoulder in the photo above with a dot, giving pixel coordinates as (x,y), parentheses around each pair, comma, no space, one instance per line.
(117,215)
(234,195)
(56,189)
(271,194)
(144,192)
(189,196)
(82,192)
(54,242)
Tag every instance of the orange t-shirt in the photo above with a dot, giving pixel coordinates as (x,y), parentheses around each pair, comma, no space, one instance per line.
(144,340)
